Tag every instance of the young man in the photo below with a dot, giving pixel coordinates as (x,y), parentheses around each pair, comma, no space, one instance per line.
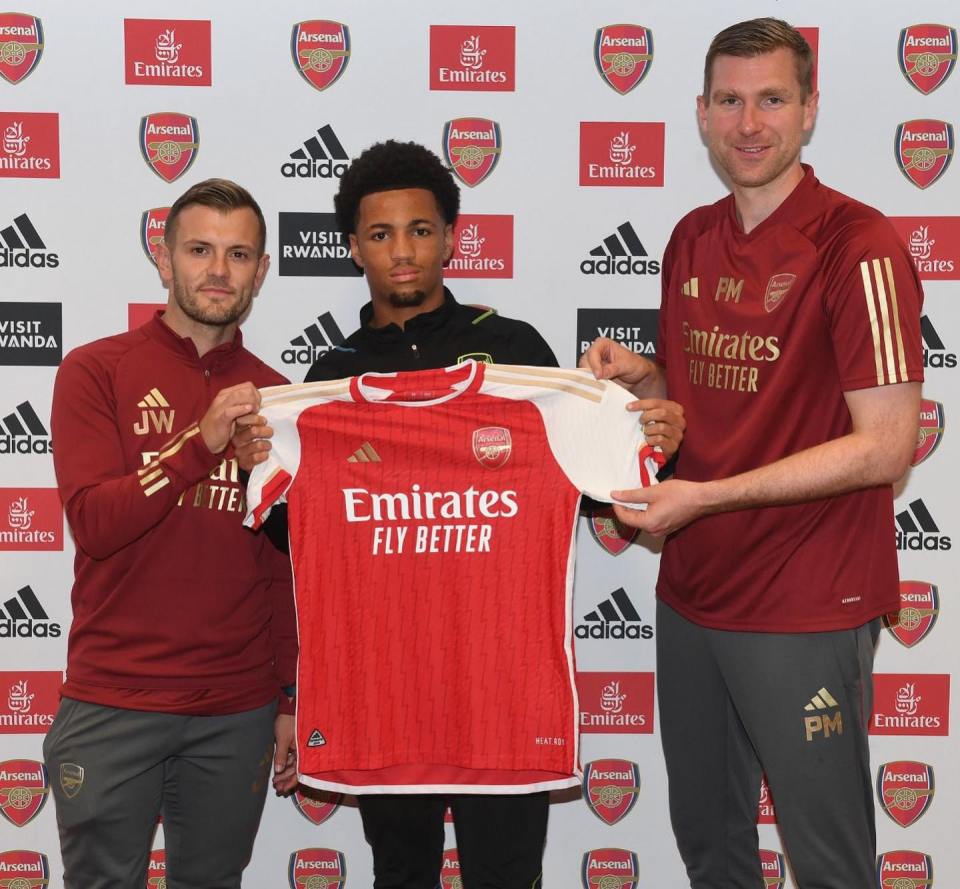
(790,333)
(183,629)
(398,204)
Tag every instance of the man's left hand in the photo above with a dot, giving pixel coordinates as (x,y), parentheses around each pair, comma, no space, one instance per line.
(285,755)
(670,506)
(663,423)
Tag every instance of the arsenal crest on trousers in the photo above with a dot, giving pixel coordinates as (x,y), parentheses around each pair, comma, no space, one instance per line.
(623,55)
(21,45)
(321,51)
(169,143)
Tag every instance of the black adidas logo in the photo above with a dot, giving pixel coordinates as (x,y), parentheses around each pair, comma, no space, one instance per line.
(22,432)
(620,254)
(614,618)
(22,248)
(916,529)
(317,339)
(935,353)
(23,617)
(322,157)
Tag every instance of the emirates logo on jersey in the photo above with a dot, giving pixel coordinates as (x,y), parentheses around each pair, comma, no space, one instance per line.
(777,288)
(492,446)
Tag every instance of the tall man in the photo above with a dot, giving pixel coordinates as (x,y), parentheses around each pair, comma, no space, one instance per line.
(183,629)
(398,204)
(789,330)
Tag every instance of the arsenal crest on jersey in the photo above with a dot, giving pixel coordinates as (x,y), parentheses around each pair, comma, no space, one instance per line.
(157,870)
(927,55)
(609,869)
(919,610)
(612,534)
(774,869)
(905,790)
(924,150)
(471,146)
(21,45)
(450,877)
(23,790)
(321,51)
(153,223)
(169,143)
(28,869)
(311,868)
(623,55)
(930,432)
(319,806)
(904,869)
(611,788)
(492,446)
(777,288)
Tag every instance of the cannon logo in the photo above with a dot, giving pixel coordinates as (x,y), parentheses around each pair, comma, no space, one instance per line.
(904,869)
(472,57)
(472,146)
(766,809)
(22,869)
(21,45)
(450,877)
(625,154)
(934,245)
(924,150)
(623,55)
(157,870)
(309,868)
(24,787)
(321,51)
(905,790)
(492,446)
(167,52)
(773,868)
(153,223)
(609,531)
(927,55)
(930,432)
(318,806)
(911,704)
(919,609)
(29,145)
(609,869)
(169,143)
(482,247)
(611,788)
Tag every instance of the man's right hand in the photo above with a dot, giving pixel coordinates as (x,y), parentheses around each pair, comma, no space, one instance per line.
(220,420)
(609,360)
(251,443)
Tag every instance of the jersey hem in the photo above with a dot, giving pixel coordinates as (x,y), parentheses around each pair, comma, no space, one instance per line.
(488,789)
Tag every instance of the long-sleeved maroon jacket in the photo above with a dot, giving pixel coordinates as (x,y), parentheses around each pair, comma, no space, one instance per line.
(176,606)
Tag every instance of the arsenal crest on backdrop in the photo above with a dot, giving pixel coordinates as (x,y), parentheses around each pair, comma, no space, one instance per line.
(169,143)
(321,51)
(21,45)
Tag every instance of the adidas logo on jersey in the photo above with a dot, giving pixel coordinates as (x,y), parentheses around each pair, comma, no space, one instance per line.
(22,248)
(23,617)
(364,454)
(935,353)
(154,414)
(316,339)
(21,432)
(917,531)
(822,722)
(620,254)
(614,618)
(322,157)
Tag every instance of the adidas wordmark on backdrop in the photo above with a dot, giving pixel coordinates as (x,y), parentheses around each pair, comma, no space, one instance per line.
(432,518)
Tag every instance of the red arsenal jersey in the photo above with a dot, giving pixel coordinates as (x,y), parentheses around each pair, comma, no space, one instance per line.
(432,519)
(761,334)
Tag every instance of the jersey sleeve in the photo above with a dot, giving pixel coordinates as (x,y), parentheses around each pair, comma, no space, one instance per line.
(872,299)
(108,506)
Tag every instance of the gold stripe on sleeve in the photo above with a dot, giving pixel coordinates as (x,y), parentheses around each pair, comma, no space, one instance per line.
(885,318)
(154,488)
(872,312)
(895,308)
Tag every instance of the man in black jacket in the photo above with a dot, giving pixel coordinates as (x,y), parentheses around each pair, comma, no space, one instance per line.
(398,204)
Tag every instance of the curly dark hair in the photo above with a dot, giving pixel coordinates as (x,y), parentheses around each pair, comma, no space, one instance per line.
(391,165)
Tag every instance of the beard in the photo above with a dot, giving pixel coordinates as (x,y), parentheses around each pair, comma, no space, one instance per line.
(409,300)
(215,315)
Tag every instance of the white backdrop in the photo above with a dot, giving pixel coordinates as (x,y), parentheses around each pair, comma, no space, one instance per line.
(257,112)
